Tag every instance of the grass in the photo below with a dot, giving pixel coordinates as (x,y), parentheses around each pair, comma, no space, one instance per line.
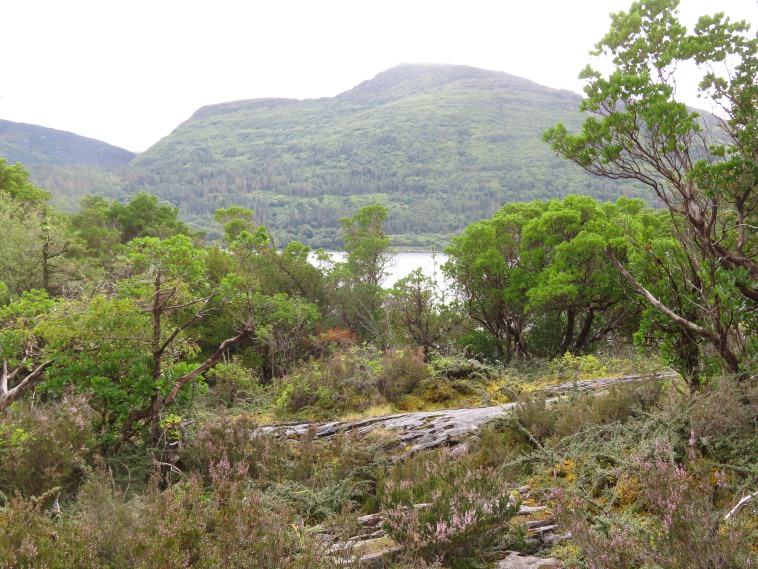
(600,461)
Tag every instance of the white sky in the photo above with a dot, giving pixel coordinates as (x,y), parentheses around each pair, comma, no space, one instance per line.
(128,73)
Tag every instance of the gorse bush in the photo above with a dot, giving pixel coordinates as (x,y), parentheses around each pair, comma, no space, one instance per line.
(345,381)
(679,519)
(724,422)
(233,384)
(543,420)
(570,367)
(323,478)
(401,372)
(314,479)
(457,367)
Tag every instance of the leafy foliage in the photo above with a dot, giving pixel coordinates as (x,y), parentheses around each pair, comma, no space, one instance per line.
(536,278)
(702,169)
(448,141)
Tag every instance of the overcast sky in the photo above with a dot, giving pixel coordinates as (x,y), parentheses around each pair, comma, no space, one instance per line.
(129,72)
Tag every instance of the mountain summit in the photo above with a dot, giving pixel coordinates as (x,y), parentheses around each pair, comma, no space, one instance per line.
(439,145)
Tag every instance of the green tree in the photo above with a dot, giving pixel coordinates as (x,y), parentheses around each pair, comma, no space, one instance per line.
(287,270)
(356,283)
(367,245)
(134,350)
(577,297)
(40,249)
(19,254)
(95,226)
(287,289)
(702,168)
(537,279)
(169,281)
(421,314)
(142,216)
(489,276)
(14,181)
(21,346)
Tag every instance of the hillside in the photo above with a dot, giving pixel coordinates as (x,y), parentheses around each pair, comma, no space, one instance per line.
(33,145)
(68,164)
(439,145)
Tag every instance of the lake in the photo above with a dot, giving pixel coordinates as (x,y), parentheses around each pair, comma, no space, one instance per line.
(405,263)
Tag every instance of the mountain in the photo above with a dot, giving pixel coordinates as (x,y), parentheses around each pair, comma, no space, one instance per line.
(67,164)
(439,145)
(33,145)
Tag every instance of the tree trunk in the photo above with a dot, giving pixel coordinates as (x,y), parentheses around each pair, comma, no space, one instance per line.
(584,333)
(568,334)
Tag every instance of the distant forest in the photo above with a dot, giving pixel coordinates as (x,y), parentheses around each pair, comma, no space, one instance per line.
(440,146)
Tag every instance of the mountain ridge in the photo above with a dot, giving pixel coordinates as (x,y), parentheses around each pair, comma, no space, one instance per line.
(439,145)
(33,144)
(453,142)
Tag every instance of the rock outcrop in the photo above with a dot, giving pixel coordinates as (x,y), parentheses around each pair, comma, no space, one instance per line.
(431,429)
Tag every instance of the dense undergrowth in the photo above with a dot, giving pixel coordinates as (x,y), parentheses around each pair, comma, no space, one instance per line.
(138,360)
(642,475)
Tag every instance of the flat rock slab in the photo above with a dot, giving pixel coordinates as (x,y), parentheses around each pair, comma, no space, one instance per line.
(431,429)
(516,561)
(416,431)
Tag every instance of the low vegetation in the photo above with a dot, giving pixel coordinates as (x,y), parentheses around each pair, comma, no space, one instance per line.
(141,361)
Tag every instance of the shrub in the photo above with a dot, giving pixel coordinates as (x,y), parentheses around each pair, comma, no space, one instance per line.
(440,508)
(678,523)
(345,381)
(235,439)
(401,372)
(725,408)
(723,419)
(181,526)
(328,341)
(27,532)
(571,367)
(564,418)
(321,478)
(232,383)
(45,446)
(456,367)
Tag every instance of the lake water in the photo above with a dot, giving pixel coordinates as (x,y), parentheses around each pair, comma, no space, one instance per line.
(405,263)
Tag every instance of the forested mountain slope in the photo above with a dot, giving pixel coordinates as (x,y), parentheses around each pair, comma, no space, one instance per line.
(67,164)
(439,145)
(33,145)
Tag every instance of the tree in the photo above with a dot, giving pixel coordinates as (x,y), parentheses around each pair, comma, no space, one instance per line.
(169,280)
(488,275)
(142,216)
(21,346)
(287,287)
(39,248)
(96,227)
(133,350)
(703,169)
(367,245)
(287,271)
(421,315)
(577,297)
(14,180)
(536,278)
(357,282)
